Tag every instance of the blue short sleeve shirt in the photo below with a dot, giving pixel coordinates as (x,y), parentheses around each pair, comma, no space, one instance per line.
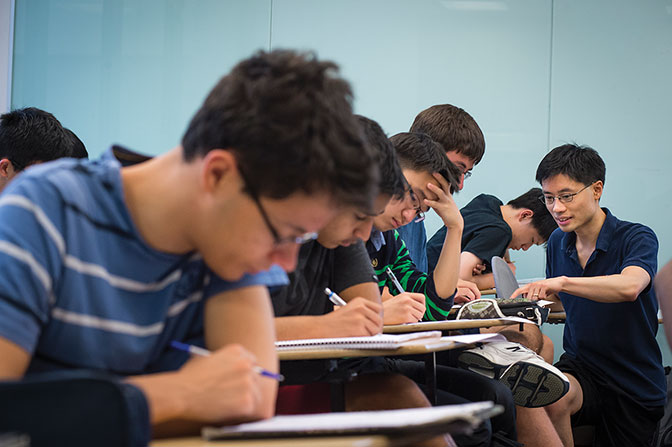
(616,340)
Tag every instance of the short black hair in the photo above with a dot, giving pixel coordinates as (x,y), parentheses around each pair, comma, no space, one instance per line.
(31,135)
(287,117)
(392,181)
(77,150)
(580,163)
(418,152)
(453,128)
(542,220)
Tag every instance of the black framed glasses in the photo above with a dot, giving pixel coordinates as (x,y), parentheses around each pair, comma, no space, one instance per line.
(419,214)
(277,239)
(549,200)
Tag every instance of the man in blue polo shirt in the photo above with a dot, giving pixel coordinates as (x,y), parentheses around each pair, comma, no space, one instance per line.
(601,268)
(103,265)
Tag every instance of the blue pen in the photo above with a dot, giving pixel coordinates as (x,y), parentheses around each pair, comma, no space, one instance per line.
(334,298)
(196,350)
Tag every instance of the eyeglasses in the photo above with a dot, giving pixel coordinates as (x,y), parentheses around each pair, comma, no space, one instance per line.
(466,174)
(419,214)
(277,240)
(564,198)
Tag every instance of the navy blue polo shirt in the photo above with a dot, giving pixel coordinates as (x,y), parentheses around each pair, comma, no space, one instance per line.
(616,340)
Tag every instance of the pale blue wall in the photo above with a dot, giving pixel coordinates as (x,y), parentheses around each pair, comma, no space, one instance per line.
(534,74)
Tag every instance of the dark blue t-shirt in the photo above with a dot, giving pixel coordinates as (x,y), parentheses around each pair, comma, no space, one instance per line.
(616,340)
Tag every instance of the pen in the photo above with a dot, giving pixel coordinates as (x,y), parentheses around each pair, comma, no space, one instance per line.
(334,298)
(205,353)
(390,274)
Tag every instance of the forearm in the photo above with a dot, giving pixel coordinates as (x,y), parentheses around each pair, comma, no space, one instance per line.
(447,268)
(166,395)
(603,289)
(303,327)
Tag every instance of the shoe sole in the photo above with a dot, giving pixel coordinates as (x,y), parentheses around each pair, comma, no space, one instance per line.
(532,386)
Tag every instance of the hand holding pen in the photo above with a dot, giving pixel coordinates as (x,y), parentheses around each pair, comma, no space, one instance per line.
(197,350)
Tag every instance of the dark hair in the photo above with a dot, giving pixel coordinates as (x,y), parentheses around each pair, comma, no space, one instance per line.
(542,220)
(77,150)
(32,135)
(392,181)
(453,128)
(288,120)
(418,152)
(580,163)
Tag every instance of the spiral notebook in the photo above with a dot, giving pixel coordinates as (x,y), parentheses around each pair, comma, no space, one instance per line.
(380,341)
(441,419)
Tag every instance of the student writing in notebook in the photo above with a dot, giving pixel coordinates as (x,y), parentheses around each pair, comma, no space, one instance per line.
(105,265)
(338,259)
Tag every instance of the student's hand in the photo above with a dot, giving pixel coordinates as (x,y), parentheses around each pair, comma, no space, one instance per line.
(406,307)
(360,317)
(545,289)
(478,269)
(466,291)
(512,266)
(444,205)
(222,387)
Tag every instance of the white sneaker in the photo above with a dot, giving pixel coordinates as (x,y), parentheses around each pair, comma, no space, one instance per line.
(533,382)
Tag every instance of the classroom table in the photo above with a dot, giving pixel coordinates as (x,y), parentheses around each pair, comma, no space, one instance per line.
(490,291)
(425,348)
(449,325)
(560,317)
(336,441)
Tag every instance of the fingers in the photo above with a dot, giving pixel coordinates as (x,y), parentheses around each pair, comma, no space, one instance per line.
(522,291)
(386,295)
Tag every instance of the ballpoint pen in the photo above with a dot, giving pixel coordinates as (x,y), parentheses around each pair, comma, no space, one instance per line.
(196,350)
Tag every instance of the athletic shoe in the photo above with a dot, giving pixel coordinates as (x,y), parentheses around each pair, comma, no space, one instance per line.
(533,382)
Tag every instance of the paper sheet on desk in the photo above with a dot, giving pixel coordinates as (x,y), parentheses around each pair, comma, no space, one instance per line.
(380,341)
(355,422)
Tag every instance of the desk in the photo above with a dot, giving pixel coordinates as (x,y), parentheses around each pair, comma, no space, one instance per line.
(488,291)
(426,348)
(338,441)
(448,325)
(560,317)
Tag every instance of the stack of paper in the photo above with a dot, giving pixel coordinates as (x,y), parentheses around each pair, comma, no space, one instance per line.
(380,341)
(358,422)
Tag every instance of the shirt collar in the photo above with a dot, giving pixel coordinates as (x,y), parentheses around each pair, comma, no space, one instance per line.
(377,239)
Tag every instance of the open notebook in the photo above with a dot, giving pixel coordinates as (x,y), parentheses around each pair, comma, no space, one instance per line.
(447,418)
(380,341)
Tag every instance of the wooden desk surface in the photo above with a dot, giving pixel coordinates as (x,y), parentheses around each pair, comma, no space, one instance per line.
(338,441)
(423,346)
(446,325)
(560,317)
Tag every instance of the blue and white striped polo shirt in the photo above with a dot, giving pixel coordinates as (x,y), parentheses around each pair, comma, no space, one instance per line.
(80,288)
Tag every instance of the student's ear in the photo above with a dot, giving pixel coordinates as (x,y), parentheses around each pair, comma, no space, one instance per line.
(6,168)
(525,214)
(598,188)
(219,169)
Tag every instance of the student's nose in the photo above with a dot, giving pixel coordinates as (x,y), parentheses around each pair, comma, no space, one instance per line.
(461,184)
(408,215)
(286,256)
(363,230)
(558,206)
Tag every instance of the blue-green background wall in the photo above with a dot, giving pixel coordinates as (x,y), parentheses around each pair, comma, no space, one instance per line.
(533,73)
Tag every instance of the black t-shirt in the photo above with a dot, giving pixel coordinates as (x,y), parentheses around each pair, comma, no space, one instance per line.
(319,267)
(486,233)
